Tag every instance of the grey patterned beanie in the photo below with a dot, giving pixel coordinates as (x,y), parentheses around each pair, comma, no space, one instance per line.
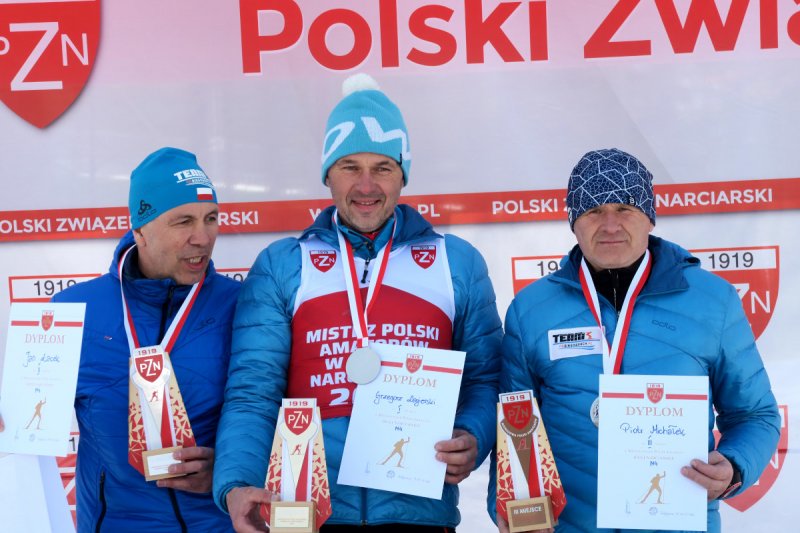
(609,176)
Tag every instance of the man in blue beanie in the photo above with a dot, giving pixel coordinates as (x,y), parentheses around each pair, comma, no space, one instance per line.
(298,288)
(611,210)
(154,358)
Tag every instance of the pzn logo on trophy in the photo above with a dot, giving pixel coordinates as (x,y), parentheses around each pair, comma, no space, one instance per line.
(297,470)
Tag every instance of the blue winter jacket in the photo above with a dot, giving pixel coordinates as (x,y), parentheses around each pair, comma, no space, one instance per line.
(686,321)
(260,362)
(111,494)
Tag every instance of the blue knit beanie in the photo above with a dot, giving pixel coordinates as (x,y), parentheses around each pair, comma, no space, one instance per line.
(167,178)
(609,176)
(365,120)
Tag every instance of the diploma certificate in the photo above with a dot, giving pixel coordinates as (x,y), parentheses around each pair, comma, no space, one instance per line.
(40,372)
(650,427)
(398,417)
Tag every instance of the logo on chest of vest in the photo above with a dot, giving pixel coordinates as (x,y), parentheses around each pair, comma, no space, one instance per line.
(424,254)
(323,260)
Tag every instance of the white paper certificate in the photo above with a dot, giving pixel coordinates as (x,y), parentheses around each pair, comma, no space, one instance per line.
(650,427)
(398,417)
(40,372)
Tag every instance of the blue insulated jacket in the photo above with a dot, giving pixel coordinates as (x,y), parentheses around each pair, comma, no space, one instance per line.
(686,321)
(111,494)
(260,364)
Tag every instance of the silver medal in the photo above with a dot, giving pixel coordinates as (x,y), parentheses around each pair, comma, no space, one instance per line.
(363,366)
(594,412)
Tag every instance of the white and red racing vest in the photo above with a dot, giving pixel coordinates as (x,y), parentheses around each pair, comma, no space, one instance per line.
(415,307)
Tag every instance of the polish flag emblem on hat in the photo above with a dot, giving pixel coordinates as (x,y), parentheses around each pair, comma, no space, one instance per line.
(204,193)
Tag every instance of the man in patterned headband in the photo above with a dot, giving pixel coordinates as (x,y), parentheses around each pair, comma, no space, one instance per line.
(611,210)
(154,358)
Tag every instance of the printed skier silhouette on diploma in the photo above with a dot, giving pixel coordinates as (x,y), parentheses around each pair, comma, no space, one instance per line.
(655,485)
(398,450)
(37,413)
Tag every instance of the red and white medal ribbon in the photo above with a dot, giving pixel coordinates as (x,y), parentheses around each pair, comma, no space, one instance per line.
(157,435)
(359,310)
(612,356)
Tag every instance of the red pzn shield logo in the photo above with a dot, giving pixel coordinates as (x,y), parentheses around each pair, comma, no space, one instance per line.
(298,419)
(150,367)
(323,260)
(518,414)
(424,255)
(47,319)
(748,498)
(655,391)
(754,271)
(47,51)
(413,362)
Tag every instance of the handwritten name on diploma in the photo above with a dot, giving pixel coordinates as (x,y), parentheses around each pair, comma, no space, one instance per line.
(44,358)
(390,399)
(635,429)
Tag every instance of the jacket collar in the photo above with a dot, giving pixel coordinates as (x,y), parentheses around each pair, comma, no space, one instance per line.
(411,227)
(152,290)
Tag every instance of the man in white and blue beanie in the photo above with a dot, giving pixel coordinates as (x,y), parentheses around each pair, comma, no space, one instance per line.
(298,287)
(365,120)
(649,301)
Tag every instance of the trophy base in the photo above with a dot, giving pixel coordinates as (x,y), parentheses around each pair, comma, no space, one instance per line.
(293,517)
(157,462)
(533,513)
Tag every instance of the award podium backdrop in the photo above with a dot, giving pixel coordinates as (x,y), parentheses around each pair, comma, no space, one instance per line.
(501,100)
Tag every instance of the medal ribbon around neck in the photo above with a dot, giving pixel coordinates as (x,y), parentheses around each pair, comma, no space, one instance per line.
(167,430)
(612,356)
(359,312)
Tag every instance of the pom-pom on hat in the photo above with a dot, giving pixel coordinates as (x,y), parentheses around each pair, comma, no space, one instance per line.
(365,120)
(167,178)
(609,176)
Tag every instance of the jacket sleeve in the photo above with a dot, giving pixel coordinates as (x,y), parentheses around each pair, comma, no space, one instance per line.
(257,374)
(747,413)
(477,331)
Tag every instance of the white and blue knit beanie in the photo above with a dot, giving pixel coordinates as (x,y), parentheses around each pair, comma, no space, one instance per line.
(365,120)
(609,176)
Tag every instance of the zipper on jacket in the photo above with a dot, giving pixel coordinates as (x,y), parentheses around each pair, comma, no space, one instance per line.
(364,521)
(371,249)
(615,288)
(366,270)
(166,311)
(174,499)
(102,502)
